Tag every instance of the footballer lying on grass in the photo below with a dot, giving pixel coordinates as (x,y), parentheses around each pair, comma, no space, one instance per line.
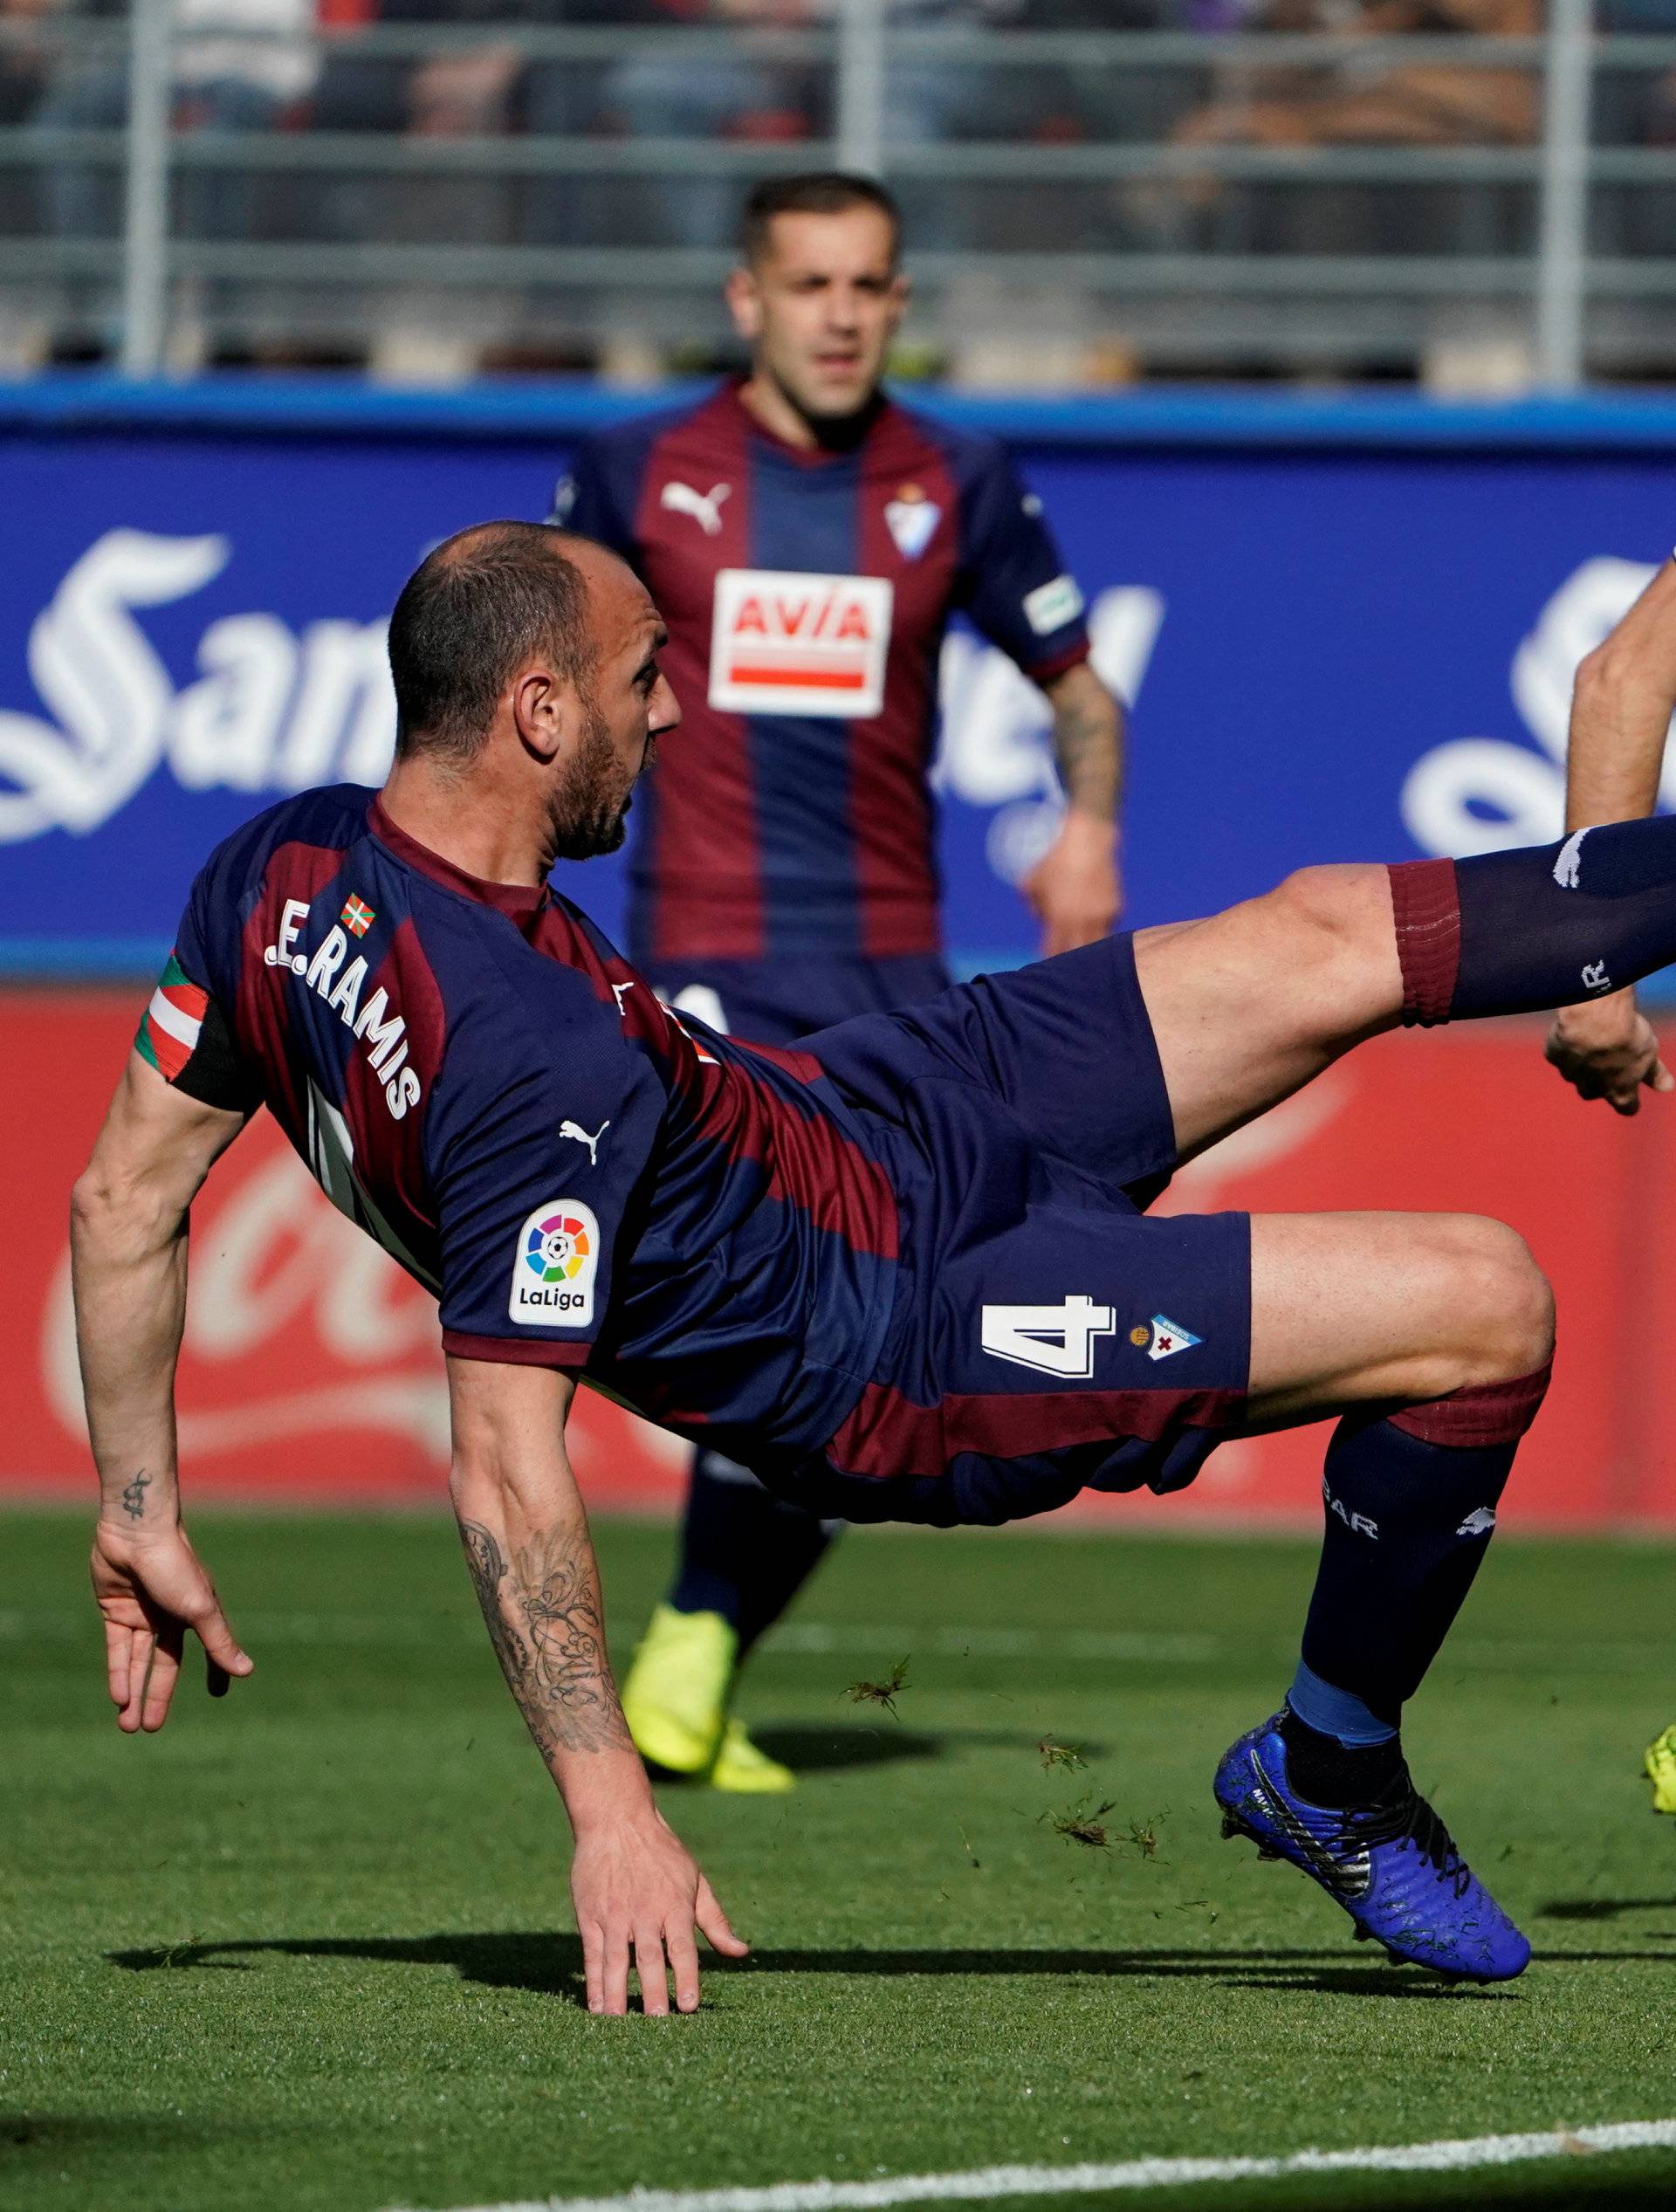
(903,1272)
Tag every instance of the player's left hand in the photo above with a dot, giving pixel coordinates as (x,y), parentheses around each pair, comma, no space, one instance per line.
(1076,887)
(1607,1048)
(151,1589)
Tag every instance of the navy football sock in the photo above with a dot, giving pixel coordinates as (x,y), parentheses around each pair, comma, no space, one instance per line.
(1411,1500)
(744,1552)
(1546,925)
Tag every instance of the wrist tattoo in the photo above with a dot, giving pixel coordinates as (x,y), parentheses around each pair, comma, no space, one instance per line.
(133,1497)
(542,1612)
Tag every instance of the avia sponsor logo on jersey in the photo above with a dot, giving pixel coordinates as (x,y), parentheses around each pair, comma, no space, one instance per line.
(383,1032)
(785,643)
(558,1259)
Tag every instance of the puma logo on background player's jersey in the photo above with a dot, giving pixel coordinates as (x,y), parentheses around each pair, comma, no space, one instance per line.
(705,507)
(574,1130)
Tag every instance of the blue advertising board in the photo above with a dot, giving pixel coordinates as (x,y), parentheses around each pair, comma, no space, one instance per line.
(1344,631)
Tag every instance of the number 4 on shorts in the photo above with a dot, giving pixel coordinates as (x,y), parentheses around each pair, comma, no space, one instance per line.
(1026,1335)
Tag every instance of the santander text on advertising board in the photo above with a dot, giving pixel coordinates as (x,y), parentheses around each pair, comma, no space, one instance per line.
(1326,657)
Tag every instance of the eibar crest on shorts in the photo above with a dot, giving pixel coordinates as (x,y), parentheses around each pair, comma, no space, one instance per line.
(557,1259)
(1167,1337)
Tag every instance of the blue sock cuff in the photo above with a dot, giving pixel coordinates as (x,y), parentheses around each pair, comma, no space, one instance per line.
(1333,1712)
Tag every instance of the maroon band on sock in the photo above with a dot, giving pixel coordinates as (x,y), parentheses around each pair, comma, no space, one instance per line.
(1426,906)
(1492,1414)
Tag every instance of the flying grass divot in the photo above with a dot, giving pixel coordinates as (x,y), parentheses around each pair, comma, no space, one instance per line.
(885,1693)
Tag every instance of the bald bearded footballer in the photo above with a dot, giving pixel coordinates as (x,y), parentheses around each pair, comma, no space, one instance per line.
(902,1271)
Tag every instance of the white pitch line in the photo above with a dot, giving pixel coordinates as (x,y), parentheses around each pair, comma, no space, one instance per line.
(988,2183)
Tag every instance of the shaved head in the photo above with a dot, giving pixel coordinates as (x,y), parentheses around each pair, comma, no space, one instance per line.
(479,607)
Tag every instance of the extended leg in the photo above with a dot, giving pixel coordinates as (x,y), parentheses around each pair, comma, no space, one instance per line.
(1252,1003)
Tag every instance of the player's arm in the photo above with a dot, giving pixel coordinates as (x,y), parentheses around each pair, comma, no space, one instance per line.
(521,1518)
(1620,716)
(1014,583)
(128,1242)
(1076,888)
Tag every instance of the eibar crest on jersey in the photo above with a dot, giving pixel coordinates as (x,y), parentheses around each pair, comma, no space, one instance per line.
(912,519)
(1168,1339)
(553,1267)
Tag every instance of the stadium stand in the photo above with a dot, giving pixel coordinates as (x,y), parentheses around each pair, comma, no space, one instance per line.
(430,188)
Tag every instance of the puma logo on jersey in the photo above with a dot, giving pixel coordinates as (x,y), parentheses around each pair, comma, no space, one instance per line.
(1568,869)
(705,507)
(575,1131)
(1479,1522)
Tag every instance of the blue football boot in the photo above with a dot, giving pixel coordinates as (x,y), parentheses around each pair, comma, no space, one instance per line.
(1392,1864)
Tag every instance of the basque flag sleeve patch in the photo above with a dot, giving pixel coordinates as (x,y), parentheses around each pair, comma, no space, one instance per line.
(173,1023)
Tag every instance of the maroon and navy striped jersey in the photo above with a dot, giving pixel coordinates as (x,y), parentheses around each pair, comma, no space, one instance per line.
(581,1178)
(806,596)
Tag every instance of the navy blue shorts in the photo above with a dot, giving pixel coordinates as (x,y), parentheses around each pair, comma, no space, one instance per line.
(778,1002)
(1047,1335)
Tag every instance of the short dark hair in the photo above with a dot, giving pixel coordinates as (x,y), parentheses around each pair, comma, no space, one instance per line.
(476,608)
(815,192)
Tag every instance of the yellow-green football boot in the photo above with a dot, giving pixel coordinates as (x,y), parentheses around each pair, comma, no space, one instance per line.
(675,1696)
(1660,1763)
(745,1769)
(675,1700)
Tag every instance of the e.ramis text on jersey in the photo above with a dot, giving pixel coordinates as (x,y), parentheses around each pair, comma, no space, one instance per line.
(382,1032)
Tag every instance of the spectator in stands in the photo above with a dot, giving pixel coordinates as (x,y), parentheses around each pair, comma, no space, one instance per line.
(1363,99)
(23,61)
(746,87)
(236,65)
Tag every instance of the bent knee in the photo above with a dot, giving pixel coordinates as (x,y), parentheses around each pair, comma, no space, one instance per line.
(1334,901)
(1497,1296)
(1333,925)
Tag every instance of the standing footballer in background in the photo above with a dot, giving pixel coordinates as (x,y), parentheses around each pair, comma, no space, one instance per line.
(1615,754)
(807,540)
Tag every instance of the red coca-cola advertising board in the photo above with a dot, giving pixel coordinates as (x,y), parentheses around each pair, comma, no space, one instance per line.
(311,1370)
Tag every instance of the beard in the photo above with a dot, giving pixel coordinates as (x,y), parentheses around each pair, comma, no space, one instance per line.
(590,806)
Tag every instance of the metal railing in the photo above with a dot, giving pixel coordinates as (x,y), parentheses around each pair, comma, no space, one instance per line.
(1068,203)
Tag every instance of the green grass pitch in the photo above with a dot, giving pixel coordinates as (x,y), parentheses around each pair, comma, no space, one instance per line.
(308,1948)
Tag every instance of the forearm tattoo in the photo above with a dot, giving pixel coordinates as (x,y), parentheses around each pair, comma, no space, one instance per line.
(543,1617)
(133,1497)
(1088,745)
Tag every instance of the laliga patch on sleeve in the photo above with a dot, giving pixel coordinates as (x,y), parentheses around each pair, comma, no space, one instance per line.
(1051,606)
(558,1258)
(784,642)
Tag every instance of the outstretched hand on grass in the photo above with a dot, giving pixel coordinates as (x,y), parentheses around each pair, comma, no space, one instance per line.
(635,1886)
(151,1589)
